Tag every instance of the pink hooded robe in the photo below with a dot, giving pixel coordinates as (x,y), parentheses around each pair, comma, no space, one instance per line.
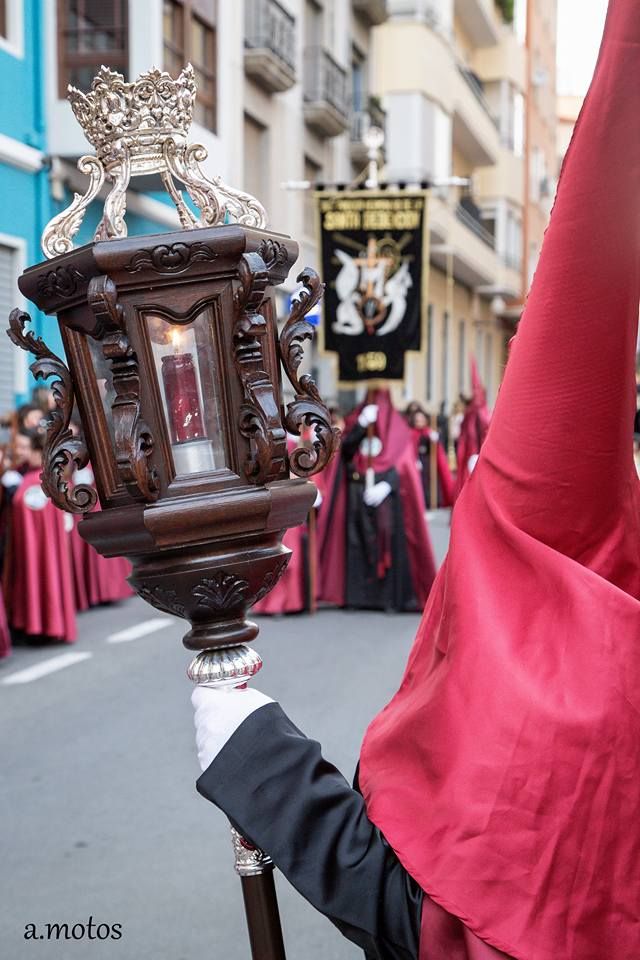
(39,582)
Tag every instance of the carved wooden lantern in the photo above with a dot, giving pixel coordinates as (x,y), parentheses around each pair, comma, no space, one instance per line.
(174,363)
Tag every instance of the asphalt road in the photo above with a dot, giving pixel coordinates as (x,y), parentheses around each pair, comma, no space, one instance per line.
(100,817)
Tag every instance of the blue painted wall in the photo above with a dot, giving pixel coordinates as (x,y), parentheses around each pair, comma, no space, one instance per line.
(26,204)
(22,114)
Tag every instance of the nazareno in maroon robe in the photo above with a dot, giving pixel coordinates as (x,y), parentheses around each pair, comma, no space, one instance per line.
(474,427)
(397,452)
(505,771)
(97,579)
(39,580)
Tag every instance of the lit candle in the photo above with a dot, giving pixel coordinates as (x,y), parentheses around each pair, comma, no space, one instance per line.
(181,392)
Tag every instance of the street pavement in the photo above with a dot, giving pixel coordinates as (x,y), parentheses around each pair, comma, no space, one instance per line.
(100,817)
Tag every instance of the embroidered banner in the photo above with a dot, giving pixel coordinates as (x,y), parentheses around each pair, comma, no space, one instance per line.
(375,263)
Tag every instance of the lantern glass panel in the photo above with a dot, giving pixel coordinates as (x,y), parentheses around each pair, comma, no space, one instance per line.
(187,371)
(104,382)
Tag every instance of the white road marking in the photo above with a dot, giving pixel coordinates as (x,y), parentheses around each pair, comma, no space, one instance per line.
(46,667)
(140,630)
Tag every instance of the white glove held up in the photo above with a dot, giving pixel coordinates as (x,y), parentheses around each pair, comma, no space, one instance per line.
(368,415)
(218,714)
(375,495)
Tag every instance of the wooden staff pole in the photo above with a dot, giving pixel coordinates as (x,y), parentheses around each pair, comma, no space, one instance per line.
(312,546)
(433,474)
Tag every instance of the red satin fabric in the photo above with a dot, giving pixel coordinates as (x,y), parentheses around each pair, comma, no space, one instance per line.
(474,426)
(505,772)
(397,452)
(39,584)
(331,534)
(288,595)
(444,937)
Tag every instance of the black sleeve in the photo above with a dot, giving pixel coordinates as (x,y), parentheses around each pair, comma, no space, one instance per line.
(279,791)
(351,441)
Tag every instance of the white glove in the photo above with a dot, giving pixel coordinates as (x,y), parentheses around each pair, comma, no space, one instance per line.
(434,436)
(471,462)
(317,503)
(368,415)
(11,478)
(375,495)
(218,714)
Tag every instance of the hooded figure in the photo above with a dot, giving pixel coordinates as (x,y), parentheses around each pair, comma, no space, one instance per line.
(374,545)
(501,804)
(423,437)
(38,575)
(96,579)
(473,429)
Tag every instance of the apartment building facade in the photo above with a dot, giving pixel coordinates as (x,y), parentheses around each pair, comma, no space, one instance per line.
(455,78)
(287,89)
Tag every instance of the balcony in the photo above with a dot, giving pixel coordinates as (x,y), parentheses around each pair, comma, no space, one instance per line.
(374,11)
(269,45)
(475,130)
(325,93)
(479,20)
(361,121)
(468,214)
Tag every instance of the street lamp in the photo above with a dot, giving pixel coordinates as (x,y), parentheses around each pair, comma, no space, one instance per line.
(174,363)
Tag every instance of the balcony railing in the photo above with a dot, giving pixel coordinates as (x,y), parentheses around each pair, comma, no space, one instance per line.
(474,83)
(325,92)
(474,223)
(270,44)
(324,79)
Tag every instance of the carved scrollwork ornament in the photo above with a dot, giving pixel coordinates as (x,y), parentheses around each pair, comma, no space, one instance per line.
(250,861)
(259,419)
(134,443)
(307,409)
(63,452)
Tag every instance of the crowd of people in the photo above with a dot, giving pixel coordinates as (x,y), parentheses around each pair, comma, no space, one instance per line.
(49,573)
(365,545)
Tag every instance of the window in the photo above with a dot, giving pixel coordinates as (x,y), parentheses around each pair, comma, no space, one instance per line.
(462,355)
(358,81)
(444,393)
(3,19)
(189,28)
(430,320)
(92,33)
(256,157)
(488,362)
(10,359)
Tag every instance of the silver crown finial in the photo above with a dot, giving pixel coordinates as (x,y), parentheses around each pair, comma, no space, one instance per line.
(137,129)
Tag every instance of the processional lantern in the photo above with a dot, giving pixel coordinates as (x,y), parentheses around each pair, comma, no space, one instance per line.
(174,364)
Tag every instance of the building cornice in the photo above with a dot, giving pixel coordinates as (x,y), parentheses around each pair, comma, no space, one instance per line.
(20,155)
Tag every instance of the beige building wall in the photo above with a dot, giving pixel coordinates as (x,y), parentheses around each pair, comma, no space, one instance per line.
(542,124)
(568,108)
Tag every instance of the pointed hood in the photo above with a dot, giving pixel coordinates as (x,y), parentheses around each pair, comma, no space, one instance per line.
(505,771)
